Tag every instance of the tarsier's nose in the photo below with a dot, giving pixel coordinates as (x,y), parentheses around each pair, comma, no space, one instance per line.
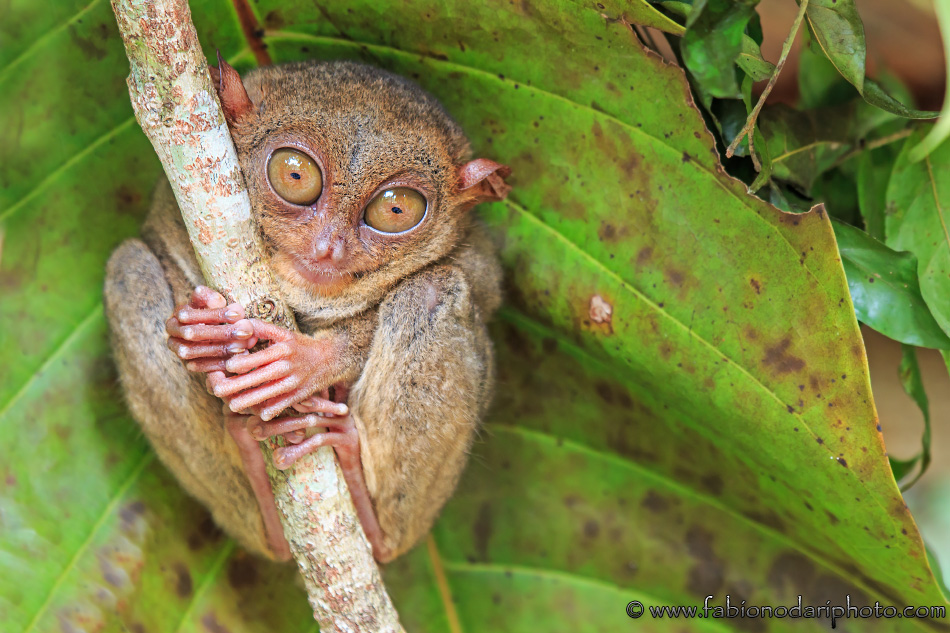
(329,247)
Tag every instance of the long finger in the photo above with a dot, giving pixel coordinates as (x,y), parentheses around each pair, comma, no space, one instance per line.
(321,405)
(191,351)
(226,314)
(286,456)
(270,332)
(242,331)
(205,297)
(256,396)
(274,407)
(206,365)
(236,384)
(246,362)
(261,430)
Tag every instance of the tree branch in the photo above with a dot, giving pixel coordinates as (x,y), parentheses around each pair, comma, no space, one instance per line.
(178,109)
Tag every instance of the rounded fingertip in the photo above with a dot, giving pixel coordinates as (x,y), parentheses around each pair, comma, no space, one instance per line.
(191,366)
(280,460)
(187,333)
(235,348)
(243,330)
(257,432)
(233,313)
(341,409)
(309,402)
(294,437)
(182,351)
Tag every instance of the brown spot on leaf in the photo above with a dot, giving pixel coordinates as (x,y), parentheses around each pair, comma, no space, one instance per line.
(654,502)
(712,483)
(482,529)
(183,584)
(644,256)
(780,361)
(755,286)
(242,572)
(591,528)
(604,391)
(790,573)
(706,575)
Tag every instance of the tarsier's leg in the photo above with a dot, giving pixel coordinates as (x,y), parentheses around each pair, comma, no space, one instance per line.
(182,421)
(416,406)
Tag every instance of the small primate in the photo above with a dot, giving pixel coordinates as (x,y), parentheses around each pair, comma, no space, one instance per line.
(362,186)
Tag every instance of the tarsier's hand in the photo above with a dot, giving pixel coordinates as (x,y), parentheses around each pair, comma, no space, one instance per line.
(206,331)
(291,369)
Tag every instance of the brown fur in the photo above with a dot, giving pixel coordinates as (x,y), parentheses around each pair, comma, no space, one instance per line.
(410,307)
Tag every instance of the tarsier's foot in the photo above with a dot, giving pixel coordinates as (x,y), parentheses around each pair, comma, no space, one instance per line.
(342,435)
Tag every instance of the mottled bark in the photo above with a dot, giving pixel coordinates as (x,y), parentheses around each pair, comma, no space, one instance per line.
(177,107)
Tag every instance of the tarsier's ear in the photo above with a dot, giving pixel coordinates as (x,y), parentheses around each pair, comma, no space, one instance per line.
(231,92)
(482,180)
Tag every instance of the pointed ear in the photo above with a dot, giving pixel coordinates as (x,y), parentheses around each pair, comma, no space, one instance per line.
(482,180)
(231,92)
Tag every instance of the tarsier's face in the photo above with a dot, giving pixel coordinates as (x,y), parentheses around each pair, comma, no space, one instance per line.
(357,177)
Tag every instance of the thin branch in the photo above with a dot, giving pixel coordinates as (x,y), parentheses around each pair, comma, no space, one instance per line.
(749,127)
(872,145)
(178,109)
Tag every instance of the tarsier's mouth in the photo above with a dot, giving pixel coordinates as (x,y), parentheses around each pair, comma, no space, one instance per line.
(325,282)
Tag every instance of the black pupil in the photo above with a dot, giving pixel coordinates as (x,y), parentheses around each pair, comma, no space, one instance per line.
(396,210)
(295,175)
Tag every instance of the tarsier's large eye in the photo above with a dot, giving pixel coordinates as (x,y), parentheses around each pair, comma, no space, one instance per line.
(395,210)
(294,176)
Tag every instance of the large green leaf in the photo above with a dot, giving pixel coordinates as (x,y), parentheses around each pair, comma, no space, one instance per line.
(714,435)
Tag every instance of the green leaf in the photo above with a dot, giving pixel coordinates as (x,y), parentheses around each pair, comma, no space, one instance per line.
(874,172)
(713,42)
(913,383)
(918,213)
(644,13)
(751,61)
(884,289)
(837,28)
(877,96)
(717,435)
(820,85)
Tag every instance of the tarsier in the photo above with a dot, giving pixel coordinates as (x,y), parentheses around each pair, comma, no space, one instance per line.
(361,185)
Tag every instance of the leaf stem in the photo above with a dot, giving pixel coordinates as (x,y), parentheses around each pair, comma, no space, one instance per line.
(749,126)
(872,145)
